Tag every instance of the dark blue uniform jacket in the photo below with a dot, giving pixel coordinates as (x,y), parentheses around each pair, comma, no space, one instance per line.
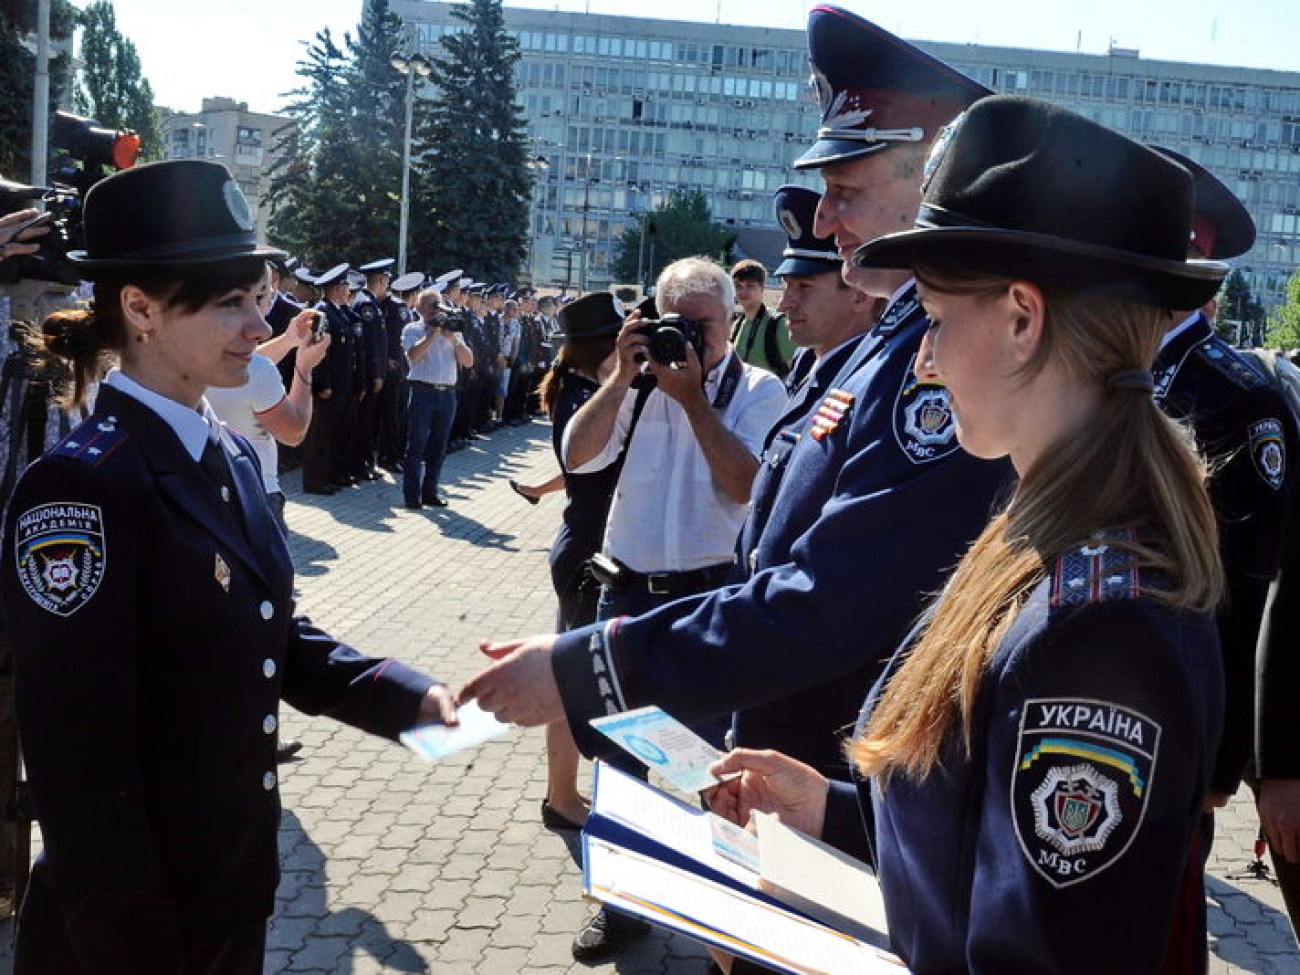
(1059,843)
(1245,430)
(153,638)
(876,503)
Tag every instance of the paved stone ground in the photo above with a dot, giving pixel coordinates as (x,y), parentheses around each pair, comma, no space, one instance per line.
(395,866)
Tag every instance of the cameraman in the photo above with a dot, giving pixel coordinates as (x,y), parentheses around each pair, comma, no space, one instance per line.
(16,228)
(692,446)
(434,352)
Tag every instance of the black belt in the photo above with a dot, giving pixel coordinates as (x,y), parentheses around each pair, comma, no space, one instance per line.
(666,583)
(422,382)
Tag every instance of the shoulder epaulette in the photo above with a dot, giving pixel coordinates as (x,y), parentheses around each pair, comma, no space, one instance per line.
(93,441)
(1096,572)
(1226,361)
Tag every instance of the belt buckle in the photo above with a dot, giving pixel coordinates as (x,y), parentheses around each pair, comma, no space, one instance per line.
(659,584)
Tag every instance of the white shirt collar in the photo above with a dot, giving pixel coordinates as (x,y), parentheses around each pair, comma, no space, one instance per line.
(1179,329)
(193,427)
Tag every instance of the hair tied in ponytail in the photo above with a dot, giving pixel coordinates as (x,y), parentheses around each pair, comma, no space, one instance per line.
(1139,380)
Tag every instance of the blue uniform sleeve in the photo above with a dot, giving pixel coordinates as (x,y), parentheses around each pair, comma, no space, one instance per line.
(854,584)
(1100,738)
(322,676)
(71,587)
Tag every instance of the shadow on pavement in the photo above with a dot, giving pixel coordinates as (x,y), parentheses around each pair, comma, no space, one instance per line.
(1254,955)
(335,937)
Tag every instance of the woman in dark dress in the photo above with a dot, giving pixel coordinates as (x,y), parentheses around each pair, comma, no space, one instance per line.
(589,327)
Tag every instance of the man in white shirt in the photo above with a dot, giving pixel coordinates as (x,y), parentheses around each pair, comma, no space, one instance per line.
(434,353)
(692,446)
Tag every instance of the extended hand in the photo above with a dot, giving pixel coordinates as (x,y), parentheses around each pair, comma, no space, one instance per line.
(770,782)
(438,707)
(1279,814)
(520,687)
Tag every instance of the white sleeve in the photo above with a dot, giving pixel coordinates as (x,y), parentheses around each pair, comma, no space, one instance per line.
(265,387)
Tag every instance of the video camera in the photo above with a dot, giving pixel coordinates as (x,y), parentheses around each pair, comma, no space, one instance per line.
(668,337)
(84,152)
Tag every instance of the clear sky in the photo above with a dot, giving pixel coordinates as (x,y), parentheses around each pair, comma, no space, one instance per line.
(248,49)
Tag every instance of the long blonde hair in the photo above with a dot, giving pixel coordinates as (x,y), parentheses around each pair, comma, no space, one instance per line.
(1130,467)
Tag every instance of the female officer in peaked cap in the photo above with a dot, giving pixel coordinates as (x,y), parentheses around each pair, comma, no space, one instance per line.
(148,593)
(1036,755)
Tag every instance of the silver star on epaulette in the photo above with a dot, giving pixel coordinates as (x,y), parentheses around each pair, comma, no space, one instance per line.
(1075,583)
(93,450)
(73,444)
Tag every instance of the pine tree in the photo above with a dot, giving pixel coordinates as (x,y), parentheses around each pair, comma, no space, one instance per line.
(682,227)
(472,184)
(113,89)
(378,118)
(1240,319)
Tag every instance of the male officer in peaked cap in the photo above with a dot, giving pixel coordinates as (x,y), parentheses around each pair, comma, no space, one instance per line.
(368,306)
(398,309)
(1243,426)
(324,457)
(876,503)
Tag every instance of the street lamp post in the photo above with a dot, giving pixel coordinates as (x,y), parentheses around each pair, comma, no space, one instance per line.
(409,65)
(538,164)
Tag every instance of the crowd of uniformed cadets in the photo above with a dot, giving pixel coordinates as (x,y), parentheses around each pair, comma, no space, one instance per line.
(359,424)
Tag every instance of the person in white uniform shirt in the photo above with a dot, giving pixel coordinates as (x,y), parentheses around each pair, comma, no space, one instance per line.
(261,410)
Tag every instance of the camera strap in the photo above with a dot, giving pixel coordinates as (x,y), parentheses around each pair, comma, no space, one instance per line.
(730,382)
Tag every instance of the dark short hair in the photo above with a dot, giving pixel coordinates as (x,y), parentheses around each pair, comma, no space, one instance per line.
(749,270)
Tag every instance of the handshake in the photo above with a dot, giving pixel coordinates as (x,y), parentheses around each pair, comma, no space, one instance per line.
(20,227)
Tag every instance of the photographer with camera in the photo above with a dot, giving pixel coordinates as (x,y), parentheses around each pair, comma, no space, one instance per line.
(435,352)
(693,440)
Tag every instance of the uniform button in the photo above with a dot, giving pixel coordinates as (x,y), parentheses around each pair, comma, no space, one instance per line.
(266,609)
(269,724)
(268,781)
(268,668)
(225,493)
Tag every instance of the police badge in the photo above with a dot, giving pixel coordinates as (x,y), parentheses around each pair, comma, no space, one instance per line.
(1267,449)
(60,555)
(1080,785)
(923,422)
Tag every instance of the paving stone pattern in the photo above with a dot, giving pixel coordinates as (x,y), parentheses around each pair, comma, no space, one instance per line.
(395,866)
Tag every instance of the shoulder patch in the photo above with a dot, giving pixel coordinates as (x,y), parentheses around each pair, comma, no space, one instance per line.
(1231,364)
(60,554)
(1268,451)
(1079,788)
(1094,573)
(924,425)
(92,442)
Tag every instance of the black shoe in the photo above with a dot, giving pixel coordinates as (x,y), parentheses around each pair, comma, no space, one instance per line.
(413,506)
(286,750)
(514,486)
(605,934)
(552,818)
(434,502)
(327,490)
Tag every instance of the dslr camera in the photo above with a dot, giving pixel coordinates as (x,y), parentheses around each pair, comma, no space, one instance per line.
(669,335)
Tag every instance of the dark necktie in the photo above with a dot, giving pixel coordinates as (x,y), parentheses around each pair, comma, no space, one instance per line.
(216,467)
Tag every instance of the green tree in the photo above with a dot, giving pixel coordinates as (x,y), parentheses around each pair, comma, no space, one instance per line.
(682,227)
(17,73)
(1284,324)
(314,206)
(112,88)
(471,185)
(1240,317)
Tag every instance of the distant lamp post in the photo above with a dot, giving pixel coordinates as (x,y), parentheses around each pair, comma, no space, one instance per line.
(410,65)
(538,164)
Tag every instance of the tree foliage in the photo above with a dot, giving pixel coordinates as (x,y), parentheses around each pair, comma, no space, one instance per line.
(681,227)
(17,73)
(112,88)
(1284,324)
(1241,318)
(471,182)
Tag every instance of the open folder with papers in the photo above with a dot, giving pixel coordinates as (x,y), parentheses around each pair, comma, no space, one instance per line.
(648,854)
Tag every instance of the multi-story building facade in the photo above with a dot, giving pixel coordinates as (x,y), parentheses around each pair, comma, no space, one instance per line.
(226,131)
(624,110)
